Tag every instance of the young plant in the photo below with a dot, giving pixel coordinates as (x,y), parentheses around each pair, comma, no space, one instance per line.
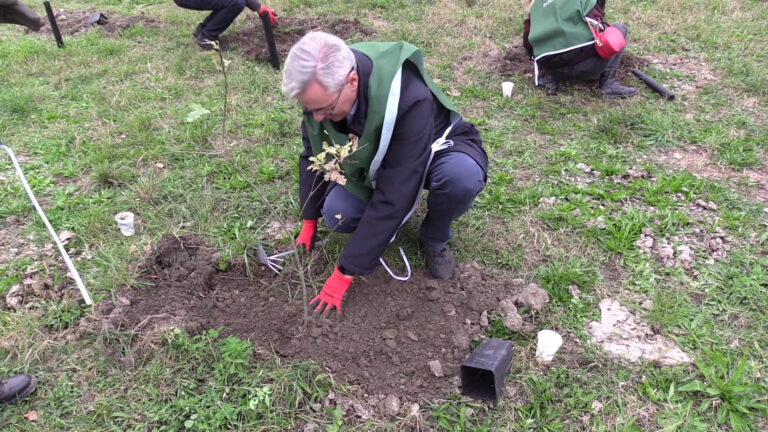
(730,387)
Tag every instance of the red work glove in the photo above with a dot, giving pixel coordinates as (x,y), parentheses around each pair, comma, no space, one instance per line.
(332,293)
(307,235)
(270,12)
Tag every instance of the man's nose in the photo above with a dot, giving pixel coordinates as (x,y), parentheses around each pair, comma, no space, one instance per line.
(319,116)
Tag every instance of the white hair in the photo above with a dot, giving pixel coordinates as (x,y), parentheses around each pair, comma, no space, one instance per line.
(320,56)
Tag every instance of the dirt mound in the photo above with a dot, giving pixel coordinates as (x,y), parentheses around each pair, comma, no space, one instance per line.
(382,344)
(250,39)
(515,61)
(76,22)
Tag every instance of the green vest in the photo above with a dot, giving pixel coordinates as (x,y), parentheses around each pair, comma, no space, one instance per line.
(559,25)
(360,167)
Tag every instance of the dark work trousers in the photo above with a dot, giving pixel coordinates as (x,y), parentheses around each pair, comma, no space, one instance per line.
(454,180)
(223,13)
(592,67)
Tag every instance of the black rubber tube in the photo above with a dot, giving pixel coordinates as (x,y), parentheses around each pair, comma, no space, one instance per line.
(54,26)
(654,85)
(274,58)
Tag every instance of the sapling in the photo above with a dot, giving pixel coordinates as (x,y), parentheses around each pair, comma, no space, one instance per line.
(222,66)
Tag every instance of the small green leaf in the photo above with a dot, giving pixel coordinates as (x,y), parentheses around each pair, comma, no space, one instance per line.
(693,386)
(197,112)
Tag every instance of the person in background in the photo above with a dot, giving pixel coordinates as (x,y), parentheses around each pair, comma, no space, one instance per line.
(14,12)
(557,37)
(223,13)
(17,387)
(402,135)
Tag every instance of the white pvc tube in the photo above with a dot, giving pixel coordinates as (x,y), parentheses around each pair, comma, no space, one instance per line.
(64,254)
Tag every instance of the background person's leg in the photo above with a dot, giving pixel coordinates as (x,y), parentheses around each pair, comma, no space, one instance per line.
(340,201)
(223,13)
(610,87)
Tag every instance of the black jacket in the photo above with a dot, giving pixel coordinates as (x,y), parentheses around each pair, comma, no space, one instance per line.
(420,121)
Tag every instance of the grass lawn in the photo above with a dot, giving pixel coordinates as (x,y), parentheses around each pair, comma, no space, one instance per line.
(135,119)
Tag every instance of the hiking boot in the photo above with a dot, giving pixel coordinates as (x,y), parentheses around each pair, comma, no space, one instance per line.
(205,43)
(612,89)
(548,83)
(609,86)
(16,388)
(440,262)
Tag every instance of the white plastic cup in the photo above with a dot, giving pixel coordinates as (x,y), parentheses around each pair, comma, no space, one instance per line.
(548,342)
(125,223)
(506,88)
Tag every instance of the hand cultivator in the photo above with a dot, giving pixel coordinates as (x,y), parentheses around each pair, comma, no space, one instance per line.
(272,261)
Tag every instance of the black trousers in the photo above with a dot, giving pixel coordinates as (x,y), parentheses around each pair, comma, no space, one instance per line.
(591,67)
(223,13)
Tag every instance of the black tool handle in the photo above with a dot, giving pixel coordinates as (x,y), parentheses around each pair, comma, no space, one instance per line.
(654,85)
(54,26)
(274,58)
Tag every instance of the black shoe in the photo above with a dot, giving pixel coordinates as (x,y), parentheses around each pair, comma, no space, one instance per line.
(16,388)
(612,89)
(205,43)
(198,31)
(548,83)
(440,262)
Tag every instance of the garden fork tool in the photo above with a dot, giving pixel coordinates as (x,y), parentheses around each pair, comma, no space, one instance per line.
(272,261)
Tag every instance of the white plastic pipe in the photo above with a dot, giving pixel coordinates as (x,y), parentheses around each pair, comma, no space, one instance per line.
(64,254)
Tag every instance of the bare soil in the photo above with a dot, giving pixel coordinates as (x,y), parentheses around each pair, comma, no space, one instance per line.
(380,346)
(515,61)
(76,22)
(251,42)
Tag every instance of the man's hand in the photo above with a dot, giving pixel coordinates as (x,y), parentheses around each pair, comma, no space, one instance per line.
(307,235)
(270,12)
(332,293)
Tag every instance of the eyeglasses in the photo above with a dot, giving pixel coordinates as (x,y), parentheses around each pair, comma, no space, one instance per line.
(328,110)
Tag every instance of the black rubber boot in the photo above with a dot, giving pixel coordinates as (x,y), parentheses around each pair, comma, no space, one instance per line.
(609,86)
(16,388)
(548,83)
(440,263)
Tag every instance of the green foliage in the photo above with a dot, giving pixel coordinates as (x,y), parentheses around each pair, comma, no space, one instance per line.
(730,389)
(558,275)
(60,317)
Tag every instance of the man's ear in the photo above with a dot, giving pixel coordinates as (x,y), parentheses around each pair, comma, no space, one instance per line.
(353,79)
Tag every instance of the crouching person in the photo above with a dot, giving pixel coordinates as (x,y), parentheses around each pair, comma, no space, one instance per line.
(402,135)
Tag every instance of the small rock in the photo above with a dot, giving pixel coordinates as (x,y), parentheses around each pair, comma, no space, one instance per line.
(512,320)
(436,368)
(390,343)
(574,291)
(597,406)
(310,427)
(449,309)
(414,409)
(411,335)
(685,255)
(66,237)
(432,284)
(547,202)
(389,334)
(14,297)
(484,319)
(390,405)
(433,295)
(517,282)
(316,332)
(461,339)
(584,167)
(533,297)
(123,301)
